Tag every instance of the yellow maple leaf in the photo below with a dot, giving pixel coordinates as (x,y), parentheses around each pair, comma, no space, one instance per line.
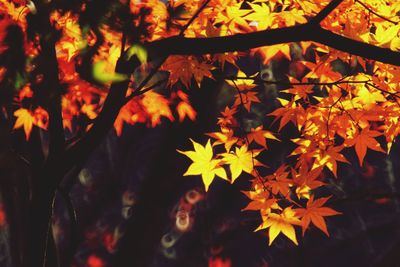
(367,97)
(241,160)
(203,163)
(233,17)
(24,119)
(261,17)
(280,223)
(384,36)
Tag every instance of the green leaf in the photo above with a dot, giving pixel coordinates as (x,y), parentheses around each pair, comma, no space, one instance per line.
(102,76)
(139,51)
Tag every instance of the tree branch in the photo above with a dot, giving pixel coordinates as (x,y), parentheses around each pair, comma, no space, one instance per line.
(51,83)
(113,103)
(104,121)
(241,42)
(179,45)
(325,12)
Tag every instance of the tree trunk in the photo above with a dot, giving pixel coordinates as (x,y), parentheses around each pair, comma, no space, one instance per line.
(40,246)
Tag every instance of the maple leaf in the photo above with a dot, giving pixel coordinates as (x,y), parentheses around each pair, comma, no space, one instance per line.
(203,163)
(363,140)
(261,16)
(89,110)
(241,160)
(184,108)
(291,17)
(260,197)
(124,115)
(234,17)
(367,97)
(225,137)
(306,180)
(156,106)
(290,112)
(25,119)
(259,136)
(243,95)
(322,70)
(271,51)
(227,117)
(386,36)
(183,68)
(17,13)
(329,158)
(244,83)
(299,91)
(279,182)
(41,118)
(280,223)
(315,213)
(261,203)
(246,99)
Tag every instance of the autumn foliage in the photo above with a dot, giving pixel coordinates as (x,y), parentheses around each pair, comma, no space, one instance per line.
(332,101)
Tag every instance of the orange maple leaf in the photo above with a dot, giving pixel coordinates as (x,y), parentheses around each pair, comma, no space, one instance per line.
(306,180)
(184,108)
(315,213)
(329,158)
(225,136)
(259,136)
(279,182)
(365,139)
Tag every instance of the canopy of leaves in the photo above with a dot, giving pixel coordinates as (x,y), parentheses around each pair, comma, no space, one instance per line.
(335,102)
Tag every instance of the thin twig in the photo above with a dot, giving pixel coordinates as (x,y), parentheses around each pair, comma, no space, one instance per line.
(247,141)
(340,81)
(204,5)
(375,13)
(137,93)
(139,90)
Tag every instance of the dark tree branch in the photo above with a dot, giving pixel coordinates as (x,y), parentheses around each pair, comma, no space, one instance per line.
(325,11)
(74,242)
(51,83)
(104,121)
(242,42)
(179,45)
(113,103)
(384,55)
